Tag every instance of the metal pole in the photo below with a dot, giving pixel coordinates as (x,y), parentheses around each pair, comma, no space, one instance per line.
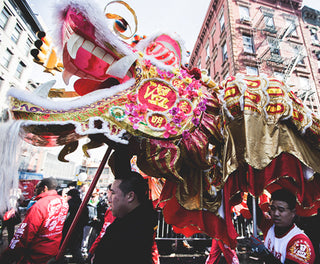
(84,203)
(254,216)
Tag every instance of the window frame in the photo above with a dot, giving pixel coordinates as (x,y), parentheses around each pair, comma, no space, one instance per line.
(224,49)
(221,19)
(249,68)
(28,46)
(267,18)
(19,70)
(251,48)
(294,31)
(16,33)
(244,15)
(6,58)
(5,15)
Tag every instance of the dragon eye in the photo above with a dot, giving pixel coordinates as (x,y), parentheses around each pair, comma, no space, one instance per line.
(120,25)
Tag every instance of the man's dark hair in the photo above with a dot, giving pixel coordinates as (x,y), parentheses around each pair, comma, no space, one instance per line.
(285,196)
(50,182)
(73,193)
(133,181)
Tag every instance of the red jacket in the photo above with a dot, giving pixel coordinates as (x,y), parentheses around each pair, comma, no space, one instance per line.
(108,219)
(38,237)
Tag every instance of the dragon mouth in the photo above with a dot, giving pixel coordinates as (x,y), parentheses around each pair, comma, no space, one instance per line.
(76,42)
(94,64)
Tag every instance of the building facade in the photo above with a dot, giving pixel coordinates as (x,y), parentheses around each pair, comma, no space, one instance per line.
(18,27)
(272,37)
(91,168)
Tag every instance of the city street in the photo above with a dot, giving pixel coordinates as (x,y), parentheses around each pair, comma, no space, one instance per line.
(183,256)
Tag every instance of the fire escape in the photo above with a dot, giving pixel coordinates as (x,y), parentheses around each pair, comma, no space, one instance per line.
(280,51)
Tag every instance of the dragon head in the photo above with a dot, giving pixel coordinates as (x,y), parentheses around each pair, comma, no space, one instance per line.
(141,90)
(98,56)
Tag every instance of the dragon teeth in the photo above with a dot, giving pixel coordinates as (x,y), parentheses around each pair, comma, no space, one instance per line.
(88,45)
(108,58)
(121,67)
(74,43)
(66,76)
(98,52)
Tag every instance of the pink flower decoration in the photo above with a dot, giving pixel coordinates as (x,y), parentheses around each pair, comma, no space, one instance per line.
(196,111)
(148,63)
(170,130)
(177,121)
(141,109)
(195,121)
(184,73)
(135,121)
(161,73)
(132,97)
(174,111)
(170,75)
(191,95)
(129,109)
(186,135)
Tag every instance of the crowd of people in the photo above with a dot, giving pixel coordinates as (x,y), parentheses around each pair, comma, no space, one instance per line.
(123,217)
(129,222)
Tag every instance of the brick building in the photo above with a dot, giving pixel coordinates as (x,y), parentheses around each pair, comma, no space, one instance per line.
(18,27)
(272,37)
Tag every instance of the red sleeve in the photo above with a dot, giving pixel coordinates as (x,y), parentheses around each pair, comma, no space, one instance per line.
(300,250)
(27,229)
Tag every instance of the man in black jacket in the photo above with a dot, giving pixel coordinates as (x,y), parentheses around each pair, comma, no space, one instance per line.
(130,237)
(74,244)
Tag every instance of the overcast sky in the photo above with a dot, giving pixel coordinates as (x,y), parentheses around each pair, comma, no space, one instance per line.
(184,17)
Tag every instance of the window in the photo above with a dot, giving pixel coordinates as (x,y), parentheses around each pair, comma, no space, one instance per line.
(304,83)
(16,33)
(318,59)
(252,70)
(314,36)
(224,52)
(4,17)
(244,13)
(274,47)
(6,58)
(199,63)
(269,23)
(221,21)
(208,71)
(298,53)
(19,70)
(247,44)
(226,75)
(305,90)
(28,46)
(291,28)
(213,30)
(208,51)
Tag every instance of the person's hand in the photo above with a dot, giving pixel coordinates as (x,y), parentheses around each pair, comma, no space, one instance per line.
(257,245)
